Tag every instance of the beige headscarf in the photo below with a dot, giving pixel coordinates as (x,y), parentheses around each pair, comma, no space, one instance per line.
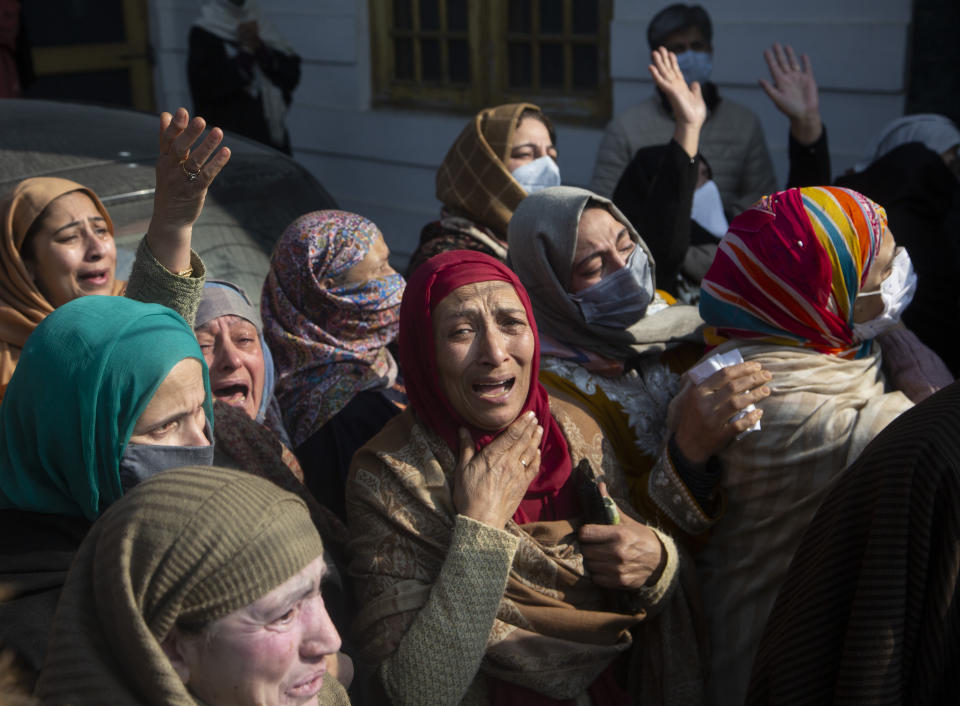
(186,546)
(473,180)
(22,306)
(542,240)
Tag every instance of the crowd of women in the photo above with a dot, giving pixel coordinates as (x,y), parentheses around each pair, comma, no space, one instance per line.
(528,473)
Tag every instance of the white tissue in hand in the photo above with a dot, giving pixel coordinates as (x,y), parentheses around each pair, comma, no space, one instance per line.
(701,371)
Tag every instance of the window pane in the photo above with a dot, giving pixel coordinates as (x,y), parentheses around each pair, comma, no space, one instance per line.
(403,57)
(430,59)
(429,14)
(551,16)
(551,65)
(520,65)
(402,14)
(457,15)
(585,73)
(584,16)
(459,61)
(520,16)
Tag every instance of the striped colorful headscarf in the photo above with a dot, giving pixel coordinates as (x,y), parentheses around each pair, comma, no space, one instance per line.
(328,339)
(789,269)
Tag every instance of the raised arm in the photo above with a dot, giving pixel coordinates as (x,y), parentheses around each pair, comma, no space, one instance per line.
(686,101)
(794,92)
(166,271)
(183,177)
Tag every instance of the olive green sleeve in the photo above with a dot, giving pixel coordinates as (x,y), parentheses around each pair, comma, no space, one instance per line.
(439,656)
(153,283)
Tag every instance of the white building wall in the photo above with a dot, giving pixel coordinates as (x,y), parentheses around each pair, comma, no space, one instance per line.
(382,162)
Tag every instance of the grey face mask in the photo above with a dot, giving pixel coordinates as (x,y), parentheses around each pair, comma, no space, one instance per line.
(621,299)
(140,461)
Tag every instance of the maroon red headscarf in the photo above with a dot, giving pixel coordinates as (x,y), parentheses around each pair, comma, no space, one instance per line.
(550,496)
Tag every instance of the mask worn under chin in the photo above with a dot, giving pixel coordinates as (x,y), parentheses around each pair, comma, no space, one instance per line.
(618,300)
(695,66)
(140,461)
(896,292)
(708,209)
(537,175)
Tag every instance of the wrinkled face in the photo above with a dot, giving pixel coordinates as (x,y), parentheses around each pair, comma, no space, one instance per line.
(484,349)
(72,253)
(174,417)
(376,263)
(688,39)
(273,652)
(232,349)
(531,140)
(867,308)
(603,246)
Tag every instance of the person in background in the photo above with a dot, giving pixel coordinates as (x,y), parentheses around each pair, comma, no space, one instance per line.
(242,72)
(330,308)
(16,65)
(503,154)
(202,585)
(731,139)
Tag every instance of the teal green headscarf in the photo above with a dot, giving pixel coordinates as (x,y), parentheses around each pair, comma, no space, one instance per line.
(83,379)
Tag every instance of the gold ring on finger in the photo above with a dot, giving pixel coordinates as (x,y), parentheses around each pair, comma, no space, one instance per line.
(191,176)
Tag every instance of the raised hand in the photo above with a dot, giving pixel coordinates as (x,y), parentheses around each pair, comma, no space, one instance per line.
(620,556)
(184,174)
(686,101)
(794,92)
(488,486)
(700,416)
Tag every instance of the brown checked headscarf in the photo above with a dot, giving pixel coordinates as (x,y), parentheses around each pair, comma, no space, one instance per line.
(22,306)
(473,180)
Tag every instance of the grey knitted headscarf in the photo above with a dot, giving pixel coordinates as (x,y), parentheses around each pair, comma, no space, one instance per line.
(186,546)
(542,241)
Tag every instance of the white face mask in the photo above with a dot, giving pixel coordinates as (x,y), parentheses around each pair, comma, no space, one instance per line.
(896,291)
(708,209)
(539,174)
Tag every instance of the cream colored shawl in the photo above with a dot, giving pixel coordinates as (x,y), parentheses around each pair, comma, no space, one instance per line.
(822,412)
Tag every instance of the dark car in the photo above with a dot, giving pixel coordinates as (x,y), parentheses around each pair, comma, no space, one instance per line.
(113,152)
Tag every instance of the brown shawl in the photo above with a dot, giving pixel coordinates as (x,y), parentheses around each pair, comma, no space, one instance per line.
(22,306)
(553,632)
(473,180)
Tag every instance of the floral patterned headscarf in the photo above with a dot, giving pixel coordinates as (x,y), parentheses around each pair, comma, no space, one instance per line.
(328,339)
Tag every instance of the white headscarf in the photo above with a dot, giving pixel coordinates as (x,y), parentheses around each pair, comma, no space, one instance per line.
(937,132)
(220,18)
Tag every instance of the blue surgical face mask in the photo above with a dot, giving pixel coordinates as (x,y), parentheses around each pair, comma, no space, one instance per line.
(539,174)
(695,65)
(620,299)
(140,461)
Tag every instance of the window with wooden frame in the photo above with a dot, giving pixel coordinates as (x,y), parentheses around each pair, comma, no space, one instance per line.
(469,54)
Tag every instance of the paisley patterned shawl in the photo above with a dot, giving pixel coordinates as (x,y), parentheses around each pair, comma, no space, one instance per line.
(328,342)
(789,269)
(551,633)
